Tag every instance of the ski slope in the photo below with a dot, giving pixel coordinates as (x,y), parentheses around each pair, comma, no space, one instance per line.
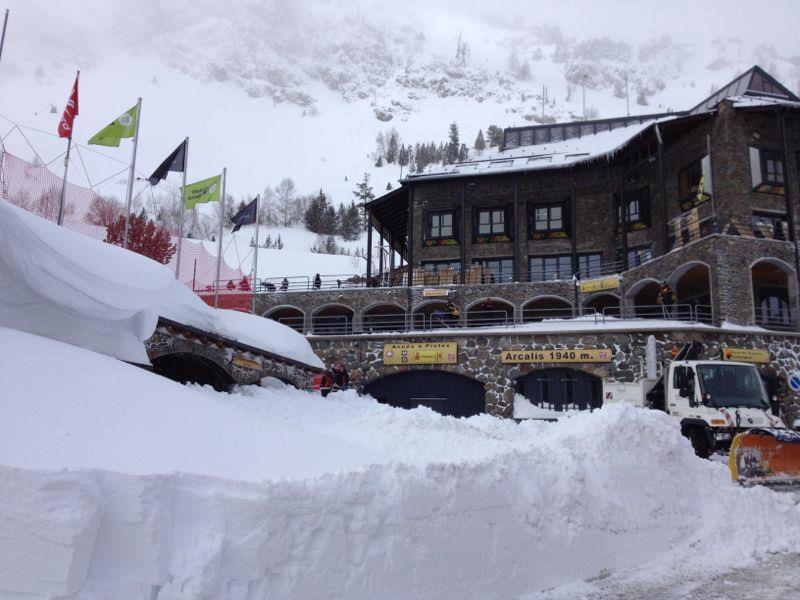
(120,484)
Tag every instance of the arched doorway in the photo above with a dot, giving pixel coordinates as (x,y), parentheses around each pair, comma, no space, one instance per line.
(434,315)
(546,307)
(186,367)
(490,311)
(446,393)
(384,317)
(774,294)
(560,389)
(333,319)
(692,286)
(643,299)
(290,316)
(602,304)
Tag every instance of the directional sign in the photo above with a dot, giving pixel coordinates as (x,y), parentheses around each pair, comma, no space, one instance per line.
(794,382)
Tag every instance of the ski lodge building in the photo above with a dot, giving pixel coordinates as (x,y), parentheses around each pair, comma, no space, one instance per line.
(554,249)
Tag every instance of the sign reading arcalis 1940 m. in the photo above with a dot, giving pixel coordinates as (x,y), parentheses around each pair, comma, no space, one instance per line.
(565,355)
(424,353)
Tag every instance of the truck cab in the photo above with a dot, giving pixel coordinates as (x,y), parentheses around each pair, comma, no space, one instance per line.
(715,400)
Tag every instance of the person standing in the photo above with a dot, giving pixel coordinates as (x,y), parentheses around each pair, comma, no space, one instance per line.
(317,281)
(666,299)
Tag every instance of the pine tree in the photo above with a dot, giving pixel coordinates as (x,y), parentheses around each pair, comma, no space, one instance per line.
(463,153)
(388,185)
(453,146)
(392,146)
(495,135)
(402,158)
(279,243)
(363,194)
(480,142)
(379,162)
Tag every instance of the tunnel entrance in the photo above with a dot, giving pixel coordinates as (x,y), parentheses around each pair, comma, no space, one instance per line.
(185,367)
(447,393)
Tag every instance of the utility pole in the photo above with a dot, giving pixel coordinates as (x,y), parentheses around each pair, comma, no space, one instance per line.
(583,84)
(627,97)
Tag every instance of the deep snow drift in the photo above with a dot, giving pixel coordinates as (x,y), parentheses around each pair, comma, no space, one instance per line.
(282,494)
(65,286)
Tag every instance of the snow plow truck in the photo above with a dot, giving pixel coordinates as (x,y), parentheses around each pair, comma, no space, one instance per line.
(723,407)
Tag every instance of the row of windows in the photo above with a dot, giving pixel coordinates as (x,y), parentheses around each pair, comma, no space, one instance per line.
(548,267)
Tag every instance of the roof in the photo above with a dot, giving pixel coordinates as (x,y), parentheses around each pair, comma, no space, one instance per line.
(753,82)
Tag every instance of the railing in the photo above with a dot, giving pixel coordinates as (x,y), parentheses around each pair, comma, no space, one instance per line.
(779,320)
(489,318)
(386,322)
(691,313)
(533,315)
(331,325)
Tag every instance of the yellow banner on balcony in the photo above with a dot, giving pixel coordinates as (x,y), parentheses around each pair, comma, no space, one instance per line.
(424,353)
(749,355)
(601,283)
(566,355)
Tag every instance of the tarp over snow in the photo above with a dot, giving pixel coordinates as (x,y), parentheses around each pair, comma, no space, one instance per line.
(65,286)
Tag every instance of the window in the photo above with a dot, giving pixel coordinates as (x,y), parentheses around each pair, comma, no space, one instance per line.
(498,270)
(636,256)
(694,183)
(766,170)
(638,207)
(441,225)
(771,226)
(550,267)
(437,266)
(548,220)
(492,224)
(590,265)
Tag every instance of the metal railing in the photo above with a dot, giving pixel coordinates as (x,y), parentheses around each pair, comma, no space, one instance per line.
(690,313)
(779,320)
(385,322)
(533,315)
(489,318)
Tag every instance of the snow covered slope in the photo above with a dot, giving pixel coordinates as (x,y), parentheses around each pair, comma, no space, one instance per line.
(119,484)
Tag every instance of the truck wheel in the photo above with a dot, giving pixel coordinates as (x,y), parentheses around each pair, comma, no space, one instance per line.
(699,442)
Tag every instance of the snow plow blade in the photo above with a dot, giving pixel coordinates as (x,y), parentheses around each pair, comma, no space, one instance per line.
(765,457)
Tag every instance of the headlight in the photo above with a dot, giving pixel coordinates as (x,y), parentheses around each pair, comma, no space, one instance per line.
(722,435)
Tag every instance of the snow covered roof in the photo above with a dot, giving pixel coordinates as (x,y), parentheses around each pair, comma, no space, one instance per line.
(555,155)
(63,285)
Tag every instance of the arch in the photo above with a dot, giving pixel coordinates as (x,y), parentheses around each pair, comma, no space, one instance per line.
(546,307)
(775,293)
(433,314)
(445,392)
(691,283)
(185,367)
(332,319)
(642,298)
(490,311)
(387,316)
(560,389)
(288,315)
(603,303)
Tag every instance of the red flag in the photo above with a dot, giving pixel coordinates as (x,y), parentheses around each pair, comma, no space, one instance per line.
(70,112)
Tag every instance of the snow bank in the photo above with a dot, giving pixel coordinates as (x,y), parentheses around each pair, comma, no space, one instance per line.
(379,502)
(65,286)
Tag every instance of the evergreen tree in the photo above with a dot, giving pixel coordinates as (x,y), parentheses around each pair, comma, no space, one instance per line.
(279,243)
(480,142)
(402,158)
(495,135)
(392,147)
(388,185)
(463,153)
(453,146)
(363,194)
(379,162)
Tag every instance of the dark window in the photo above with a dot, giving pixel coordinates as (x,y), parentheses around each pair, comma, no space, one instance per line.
(590,265)
(766,170)
(491,221)
(636,256)
(682,377)
(501,270)
(694,183)
(770,226)
(548,217)
(772,167)
(689,179)
(638,207)
(441,224)
(441,265)
(550,267)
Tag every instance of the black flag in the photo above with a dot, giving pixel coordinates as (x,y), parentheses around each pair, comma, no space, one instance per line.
(174,162)
(246,216)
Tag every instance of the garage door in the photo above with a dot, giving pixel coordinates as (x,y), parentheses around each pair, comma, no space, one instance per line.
(562,389)
(446,393)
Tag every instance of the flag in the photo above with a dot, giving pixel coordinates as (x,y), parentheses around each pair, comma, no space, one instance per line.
(70,112)
(207,190)
(174,162)
(246,216)
(701,187)
(123,126)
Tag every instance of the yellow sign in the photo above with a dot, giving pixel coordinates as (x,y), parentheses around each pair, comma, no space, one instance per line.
(751,355)
(425,353)
(247,363)
(602,283)
(567,355)
(435,293)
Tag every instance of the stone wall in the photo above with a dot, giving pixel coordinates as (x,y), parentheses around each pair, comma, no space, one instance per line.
(479,356)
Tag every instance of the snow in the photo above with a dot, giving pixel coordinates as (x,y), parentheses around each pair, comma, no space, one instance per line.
(62,285)
(525,409)
(119,484)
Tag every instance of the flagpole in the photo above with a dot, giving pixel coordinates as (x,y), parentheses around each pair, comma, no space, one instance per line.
(63,198)
(183,188)
(132,172)
(255,258)
(219,246)
(3,35)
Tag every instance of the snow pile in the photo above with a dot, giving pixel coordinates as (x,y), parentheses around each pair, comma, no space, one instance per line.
(68,287)
(403,504)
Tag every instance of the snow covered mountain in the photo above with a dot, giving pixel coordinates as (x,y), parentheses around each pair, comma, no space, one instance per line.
(276,89)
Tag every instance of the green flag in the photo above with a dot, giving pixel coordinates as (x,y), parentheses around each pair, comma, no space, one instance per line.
(207,190)
(123,126)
